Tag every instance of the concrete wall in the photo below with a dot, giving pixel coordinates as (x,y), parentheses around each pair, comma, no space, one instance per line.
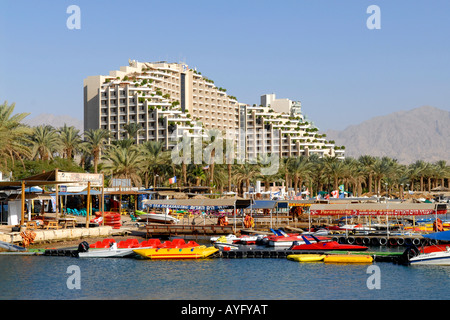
(60,234)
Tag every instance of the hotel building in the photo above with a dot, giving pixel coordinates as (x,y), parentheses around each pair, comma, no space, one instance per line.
(171,99)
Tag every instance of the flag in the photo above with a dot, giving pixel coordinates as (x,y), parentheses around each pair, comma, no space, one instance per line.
(341,188)
(173,180)
(335,193)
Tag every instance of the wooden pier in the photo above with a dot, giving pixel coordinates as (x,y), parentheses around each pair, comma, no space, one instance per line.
(162,230)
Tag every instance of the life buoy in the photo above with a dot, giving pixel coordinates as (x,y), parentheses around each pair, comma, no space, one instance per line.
(375,241)
(437,225)
(416,241)
(383,241)
(248,221)
(400,241)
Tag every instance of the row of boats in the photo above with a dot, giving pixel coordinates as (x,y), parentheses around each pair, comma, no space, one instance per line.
(148,249)
(435,254)
(280,239)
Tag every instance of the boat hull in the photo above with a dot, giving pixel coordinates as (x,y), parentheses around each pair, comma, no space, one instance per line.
(107,253)
(347,258)
(199,252)
(306,257)
(441,258)
(327,246)
(155,217)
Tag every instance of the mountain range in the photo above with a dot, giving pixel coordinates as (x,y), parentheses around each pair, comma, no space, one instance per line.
(419,134)
(55,121)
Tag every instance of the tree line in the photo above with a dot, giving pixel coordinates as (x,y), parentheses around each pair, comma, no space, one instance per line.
(27,151)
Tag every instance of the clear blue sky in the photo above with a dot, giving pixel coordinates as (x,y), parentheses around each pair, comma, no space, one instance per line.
(318,52)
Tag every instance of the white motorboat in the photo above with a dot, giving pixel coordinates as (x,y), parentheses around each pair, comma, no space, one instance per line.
(112,252)
(357,227)
(157,217)
(226,246)
(441,258)
(231,238)
(435,257)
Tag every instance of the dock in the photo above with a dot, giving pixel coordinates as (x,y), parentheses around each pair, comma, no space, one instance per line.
(379,240)
(381,256)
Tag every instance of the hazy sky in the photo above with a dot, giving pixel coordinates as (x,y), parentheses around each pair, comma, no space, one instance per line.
(319,52)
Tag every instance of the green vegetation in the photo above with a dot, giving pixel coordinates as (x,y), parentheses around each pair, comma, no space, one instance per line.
(27,151)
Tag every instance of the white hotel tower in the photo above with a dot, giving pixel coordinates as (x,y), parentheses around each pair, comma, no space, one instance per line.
(170,99)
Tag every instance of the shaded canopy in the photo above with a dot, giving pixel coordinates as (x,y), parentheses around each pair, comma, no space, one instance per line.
(198,204)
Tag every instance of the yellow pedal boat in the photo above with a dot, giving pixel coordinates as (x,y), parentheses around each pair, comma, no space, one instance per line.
(306,257)
(198,252)
(348,258)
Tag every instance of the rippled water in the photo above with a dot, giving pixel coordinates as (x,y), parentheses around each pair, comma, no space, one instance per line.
(42,277)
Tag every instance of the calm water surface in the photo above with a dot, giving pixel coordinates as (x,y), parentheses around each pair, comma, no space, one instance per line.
(39,277)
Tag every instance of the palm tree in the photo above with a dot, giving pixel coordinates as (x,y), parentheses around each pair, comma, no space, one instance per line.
(246,173)
(418,170)
(45,142)
(210,150)
(14,136)
(132,130)
(196,174)
(367,162)
(334,169)
(95,142)
(300,169)
(443,171)
(155,159)
(124,163)
(71,139)
(318,174)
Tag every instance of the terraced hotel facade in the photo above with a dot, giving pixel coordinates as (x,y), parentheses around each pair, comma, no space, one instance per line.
(171,100)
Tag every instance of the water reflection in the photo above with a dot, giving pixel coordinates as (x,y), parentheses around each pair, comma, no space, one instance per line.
(217,279)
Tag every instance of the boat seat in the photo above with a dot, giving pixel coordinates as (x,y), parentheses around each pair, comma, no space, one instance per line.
(178,242)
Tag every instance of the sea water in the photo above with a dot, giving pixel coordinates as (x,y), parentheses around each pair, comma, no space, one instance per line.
(69,278)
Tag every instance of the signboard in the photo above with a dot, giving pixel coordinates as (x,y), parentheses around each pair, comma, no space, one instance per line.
(405,209)
(363,212)
(81,179)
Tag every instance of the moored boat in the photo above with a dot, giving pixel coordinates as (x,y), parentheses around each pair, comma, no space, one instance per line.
(197,252)
(320,245)
(435,255)
(230,238)
(156,217)
(306,257)
(286,240)
(108,248)
(348,258)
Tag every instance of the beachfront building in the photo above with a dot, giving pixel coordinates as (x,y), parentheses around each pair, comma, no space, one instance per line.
(277,126)
(169,100)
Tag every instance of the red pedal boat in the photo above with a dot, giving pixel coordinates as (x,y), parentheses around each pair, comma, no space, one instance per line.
(325,245)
